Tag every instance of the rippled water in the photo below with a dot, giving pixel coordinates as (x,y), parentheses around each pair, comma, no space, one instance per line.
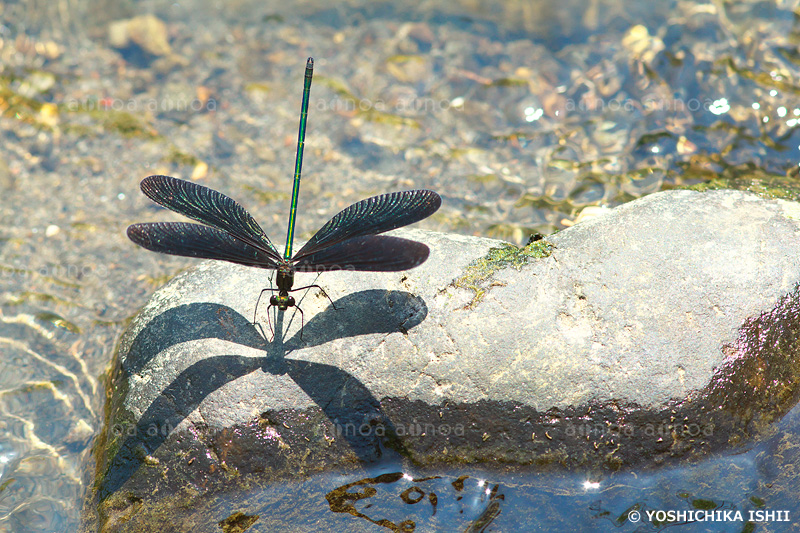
(520,114)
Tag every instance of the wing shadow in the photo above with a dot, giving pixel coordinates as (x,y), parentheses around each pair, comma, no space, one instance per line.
(361,313)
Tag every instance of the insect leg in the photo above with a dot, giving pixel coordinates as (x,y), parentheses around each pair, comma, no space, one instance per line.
(323,292)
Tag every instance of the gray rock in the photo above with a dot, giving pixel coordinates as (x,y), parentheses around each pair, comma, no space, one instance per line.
(664,330)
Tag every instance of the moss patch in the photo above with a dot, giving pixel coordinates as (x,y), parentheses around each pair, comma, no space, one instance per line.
(177,157)
(768,186)
(478,275)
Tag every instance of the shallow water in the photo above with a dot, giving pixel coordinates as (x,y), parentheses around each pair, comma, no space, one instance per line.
(520,114)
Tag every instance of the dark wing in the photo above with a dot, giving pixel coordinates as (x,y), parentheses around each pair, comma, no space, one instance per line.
(194,240)
(209,207)
(373,253)
(372,216)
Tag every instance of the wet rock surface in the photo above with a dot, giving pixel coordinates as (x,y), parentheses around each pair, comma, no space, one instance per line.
(661,331)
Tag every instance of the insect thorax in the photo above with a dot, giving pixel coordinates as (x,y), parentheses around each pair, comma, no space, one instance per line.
(285,277)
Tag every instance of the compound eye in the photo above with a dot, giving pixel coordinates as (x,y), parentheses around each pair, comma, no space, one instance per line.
(290,301)
(273,300)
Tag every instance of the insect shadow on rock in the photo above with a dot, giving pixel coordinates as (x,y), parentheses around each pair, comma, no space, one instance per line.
(348,241)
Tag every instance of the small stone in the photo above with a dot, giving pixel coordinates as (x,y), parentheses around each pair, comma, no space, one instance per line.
(48,114)
(200,170)
(146,31)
